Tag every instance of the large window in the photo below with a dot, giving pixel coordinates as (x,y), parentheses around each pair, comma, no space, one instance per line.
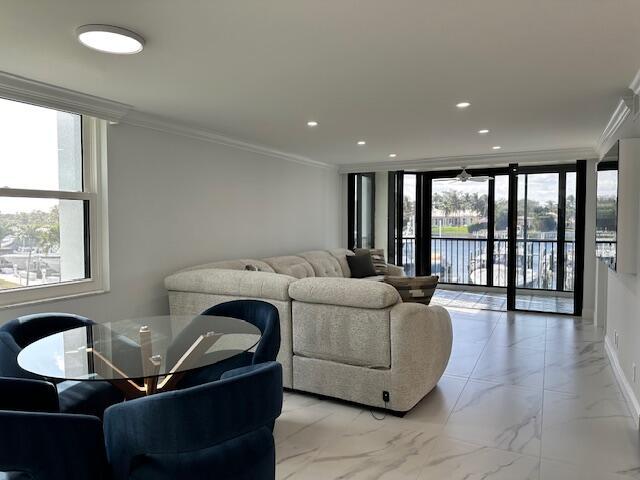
(48,203)
(459,230)
(361,210)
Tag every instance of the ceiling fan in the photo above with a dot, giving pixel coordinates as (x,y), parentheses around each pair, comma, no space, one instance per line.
(464,176)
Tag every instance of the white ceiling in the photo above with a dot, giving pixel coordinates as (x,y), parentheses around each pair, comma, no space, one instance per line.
(541,74)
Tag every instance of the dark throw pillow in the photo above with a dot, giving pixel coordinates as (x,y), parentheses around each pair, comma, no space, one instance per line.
(361,266)
(377,257)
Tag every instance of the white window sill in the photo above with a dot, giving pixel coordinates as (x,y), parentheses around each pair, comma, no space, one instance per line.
(51,293)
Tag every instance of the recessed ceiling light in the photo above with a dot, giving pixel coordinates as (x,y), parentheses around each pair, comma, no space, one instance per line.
(312,123)
(462,104)
(110,39)
(393,155)
(361,142)
(484,131)
(496,147)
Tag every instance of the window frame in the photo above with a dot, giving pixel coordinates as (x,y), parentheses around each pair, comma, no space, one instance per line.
(94,193)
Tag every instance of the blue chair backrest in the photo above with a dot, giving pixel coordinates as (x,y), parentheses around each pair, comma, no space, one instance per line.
(29,328)
(216,430)
(38,441)
(22,331)
(261,314)
(52,446)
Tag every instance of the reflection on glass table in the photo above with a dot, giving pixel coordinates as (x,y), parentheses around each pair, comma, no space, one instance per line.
(140,356)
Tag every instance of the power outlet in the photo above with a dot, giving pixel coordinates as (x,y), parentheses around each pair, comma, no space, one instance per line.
(385,396)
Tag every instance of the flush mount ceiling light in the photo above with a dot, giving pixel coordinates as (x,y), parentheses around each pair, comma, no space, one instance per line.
(312,123)
(484,131)
(496,147)
(361,142)
(393,155)
(462,105)
(110,39)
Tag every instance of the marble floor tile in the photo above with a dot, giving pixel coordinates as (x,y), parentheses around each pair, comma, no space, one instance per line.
(436,407)
(591,433)
(301,433)
(455,460)
(520,336)
(464,356)
(369,449)
(511,366)
(586,372)
(471,331)
(525,396)
(553,470)
(475,314)
(500,416)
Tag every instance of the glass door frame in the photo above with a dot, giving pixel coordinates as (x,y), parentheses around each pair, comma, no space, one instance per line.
(423,222)
(580,169)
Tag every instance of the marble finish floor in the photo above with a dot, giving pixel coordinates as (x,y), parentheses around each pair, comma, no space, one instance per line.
(525,396)
(498,301)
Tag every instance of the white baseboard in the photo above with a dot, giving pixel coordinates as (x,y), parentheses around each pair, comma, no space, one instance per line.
(627,391)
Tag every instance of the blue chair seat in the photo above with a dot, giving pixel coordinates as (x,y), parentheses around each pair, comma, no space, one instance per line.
(88,398)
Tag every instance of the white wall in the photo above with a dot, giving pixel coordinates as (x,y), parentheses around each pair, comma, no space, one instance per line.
(623,305)
(176,201)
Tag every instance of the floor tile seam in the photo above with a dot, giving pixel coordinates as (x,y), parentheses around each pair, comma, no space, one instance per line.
(468,380)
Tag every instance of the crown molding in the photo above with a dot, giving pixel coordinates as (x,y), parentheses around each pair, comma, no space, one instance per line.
(161,124)
(25,90)
(497,159)
(618,117)
(22,89)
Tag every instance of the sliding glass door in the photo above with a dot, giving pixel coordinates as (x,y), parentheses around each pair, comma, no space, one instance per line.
(508,233)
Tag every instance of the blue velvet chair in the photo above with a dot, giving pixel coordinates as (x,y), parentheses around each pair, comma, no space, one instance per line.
(261,314)
(41,444)
(90,398)
(219,430)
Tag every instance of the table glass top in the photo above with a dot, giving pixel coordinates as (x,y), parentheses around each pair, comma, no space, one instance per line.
(139,348)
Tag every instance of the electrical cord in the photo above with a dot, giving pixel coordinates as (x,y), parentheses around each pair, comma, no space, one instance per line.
(383,416)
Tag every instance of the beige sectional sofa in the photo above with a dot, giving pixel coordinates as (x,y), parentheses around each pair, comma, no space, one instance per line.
(342,337)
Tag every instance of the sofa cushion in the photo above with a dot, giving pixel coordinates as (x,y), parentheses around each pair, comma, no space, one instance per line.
(291,265)
(231,282)
(240,264)
(341,255)
(355,336)
(361,266)
(324,264)
(348,292)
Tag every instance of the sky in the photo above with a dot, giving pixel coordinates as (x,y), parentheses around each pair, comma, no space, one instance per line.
(28,153)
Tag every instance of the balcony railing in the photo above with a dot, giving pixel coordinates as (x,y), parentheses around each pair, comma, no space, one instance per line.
(464,261)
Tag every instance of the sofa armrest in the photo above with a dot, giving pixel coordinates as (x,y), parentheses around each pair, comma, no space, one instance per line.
(421,340)
(240,283)
(394,270)
(348,292)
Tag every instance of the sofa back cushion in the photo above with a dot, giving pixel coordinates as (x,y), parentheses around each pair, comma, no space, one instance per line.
(354,336)
(240,264)
(341,255)
(291,265)
(323,263)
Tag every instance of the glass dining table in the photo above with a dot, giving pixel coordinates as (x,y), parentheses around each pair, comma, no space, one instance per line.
(140,356)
